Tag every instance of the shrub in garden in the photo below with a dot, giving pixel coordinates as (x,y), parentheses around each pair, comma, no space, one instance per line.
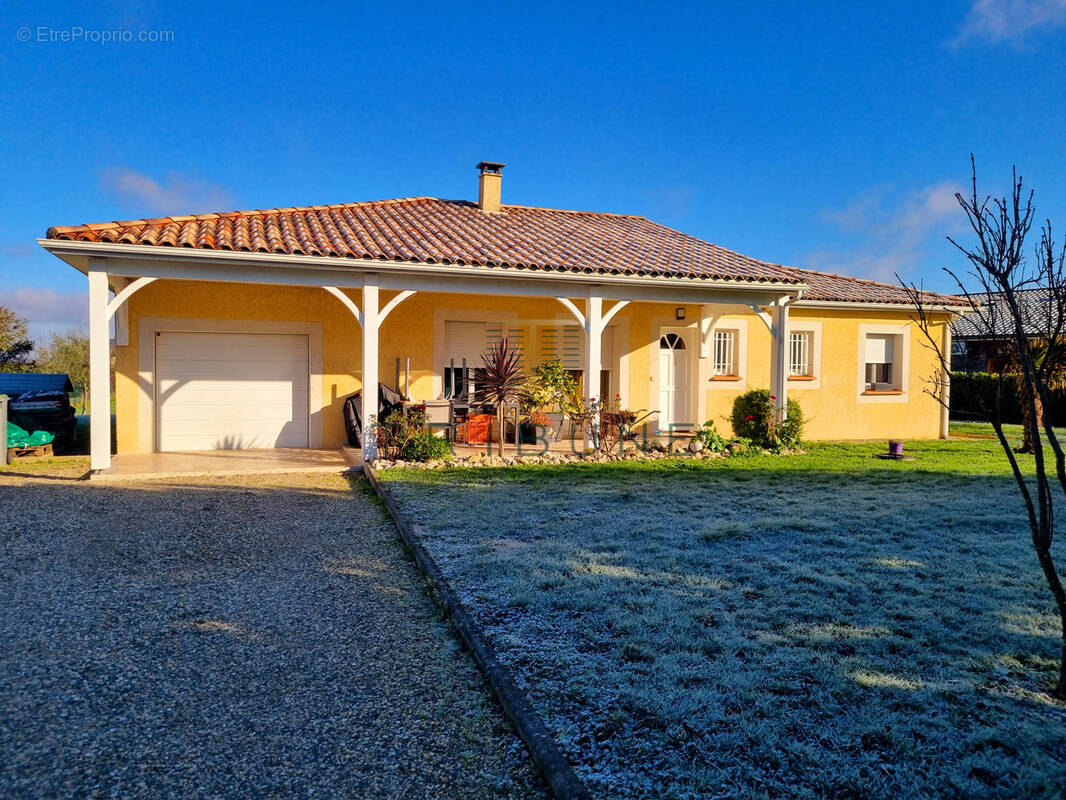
(753,418)
(403,434)
(424,446)
(397,429)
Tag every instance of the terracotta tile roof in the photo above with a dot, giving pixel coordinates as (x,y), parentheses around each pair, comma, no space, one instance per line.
(432,231)
(841,288)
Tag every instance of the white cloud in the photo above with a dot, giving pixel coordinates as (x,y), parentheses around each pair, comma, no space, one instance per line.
(891,230)
(174,196)
(47,310)
(1010,20)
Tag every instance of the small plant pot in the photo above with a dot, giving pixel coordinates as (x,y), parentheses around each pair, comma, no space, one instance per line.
(695,446)
(895,449)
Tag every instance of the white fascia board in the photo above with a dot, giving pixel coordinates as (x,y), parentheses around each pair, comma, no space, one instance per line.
(271,268)
(871,306)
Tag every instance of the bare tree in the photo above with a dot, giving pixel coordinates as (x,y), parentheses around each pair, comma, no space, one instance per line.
(1030,340)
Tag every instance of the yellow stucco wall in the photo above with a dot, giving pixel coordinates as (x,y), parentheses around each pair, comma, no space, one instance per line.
(834,410)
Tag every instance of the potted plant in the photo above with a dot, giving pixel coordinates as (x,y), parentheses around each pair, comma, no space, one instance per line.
(500,381)
(546,392)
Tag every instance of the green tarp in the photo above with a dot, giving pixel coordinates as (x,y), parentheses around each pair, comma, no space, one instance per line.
(17,437)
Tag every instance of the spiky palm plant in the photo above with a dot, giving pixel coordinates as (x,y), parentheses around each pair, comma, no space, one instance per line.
(499,380)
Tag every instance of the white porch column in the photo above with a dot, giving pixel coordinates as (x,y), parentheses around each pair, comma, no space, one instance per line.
(370,367)
(99,368)
(593,348)
(779,359)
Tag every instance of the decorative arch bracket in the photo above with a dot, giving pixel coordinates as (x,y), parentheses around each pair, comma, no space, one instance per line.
(348,303)
(583,320)
(389,306)
(573,310)
(116,302)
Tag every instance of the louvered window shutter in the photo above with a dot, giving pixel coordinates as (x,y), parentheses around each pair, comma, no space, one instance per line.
(467,340)
(517,338)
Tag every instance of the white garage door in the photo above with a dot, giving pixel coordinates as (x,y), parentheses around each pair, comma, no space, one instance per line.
(226,391)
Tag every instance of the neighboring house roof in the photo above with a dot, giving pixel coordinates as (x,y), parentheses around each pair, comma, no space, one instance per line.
(433,231)
(1038,315)
(15,383)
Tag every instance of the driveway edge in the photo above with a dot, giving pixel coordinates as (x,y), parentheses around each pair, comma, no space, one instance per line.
(564,783)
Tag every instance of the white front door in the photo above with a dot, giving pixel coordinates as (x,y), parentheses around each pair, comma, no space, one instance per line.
(229,391)
(673,381)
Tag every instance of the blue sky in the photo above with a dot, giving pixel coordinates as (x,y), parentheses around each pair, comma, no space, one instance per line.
(828,135)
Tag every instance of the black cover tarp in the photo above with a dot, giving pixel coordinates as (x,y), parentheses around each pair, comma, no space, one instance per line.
(388,399)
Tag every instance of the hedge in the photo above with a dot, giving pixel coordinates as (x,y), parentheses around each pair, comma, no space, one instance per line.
(967,389)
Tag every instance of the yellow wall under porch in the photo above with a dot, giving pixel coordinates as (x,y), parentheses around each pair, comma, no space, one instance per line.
(835,409)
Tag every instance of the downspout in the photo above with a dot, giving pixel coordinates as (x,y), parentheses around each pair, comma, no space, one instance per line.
(779,358)
(945,381)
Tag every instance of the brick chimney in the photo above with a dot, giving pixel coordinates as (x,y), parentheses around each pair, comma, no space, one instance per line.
(488,186)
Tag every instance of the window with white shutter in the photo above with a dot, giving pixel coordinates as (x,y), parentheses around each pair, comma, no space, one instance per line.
(462,340)
(799,353)
(882,368)
(565,343)
(725,352)
(467,340)
(517,338)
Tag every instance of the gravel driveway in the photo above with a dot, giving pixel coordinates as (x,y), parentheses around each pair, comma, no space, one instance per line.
(237,637)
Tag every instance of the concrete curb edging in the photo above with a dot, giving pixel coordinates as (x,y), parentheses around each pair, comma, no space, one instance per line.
(564,783)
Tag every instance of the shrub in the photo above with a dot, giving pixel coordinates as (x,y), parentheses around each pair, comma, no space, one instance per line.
(397,429)
(424,446)
(743,448)
(973,392)
(753,418)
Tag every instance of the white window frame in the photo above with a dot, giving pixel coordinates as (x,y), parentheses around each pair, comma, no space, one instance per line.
(723,340)
(799,354)
(900,363)
(717,318)
(813,328)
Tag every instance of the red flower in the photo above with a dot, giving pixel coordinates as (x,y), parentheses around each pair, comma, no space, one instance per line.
(773,397)
(749,418)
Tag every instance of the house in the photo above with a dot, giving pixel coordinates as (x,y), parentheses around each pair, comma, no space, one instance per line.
(985,335)
(249,328)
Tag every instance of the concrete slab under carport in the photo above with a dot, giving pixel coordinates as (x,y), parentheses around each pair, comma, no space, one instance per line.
(129,466)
